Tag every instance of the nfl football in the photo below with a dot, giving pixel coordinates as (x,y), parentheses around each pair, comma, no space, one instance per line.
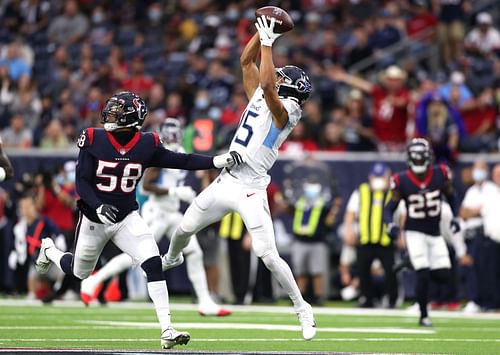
(284,22)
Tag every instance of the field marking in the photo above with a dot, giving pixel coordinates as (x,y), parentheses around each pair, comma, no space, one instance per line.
(259,326)
(263,309)
(115,340)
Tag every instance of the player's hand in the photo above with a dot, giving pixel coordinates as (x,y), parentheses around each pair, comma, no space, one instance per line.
(455,225)
(107,213)
(228,159)
(393,231)
(184,193)
(266,31)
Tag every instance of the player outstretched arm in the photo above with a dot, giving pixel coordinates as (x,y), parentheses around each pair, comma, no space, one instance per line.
(248,64)
(6,170)
(267,71)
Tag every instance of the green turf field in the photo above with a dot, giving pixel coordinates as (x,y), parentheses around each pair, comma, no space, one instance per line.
(133,326)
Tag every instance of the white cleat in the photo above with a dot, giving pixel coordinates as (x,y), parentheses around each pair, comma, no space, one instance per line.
(171,337)
(42,263)
(89,290)
(213,309)
(425,322)
(471,307)
(306,319)
(168,263)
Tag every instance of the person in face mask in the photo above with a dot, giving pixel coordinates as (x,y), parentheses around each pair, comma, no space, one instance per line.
(364,230)
(313,216)
(471,212)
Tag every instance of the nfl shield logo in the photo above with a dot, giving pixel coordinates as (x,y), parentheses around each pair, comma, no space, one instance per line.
(122,151)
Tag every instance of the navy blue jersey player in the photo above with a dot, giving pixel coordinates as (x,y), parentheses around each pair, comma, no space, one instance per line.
(110,164)
(422,188)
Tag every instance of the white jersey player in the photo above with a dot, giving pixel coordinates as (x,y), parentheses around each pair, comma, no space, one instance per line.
(166,190)
(276,96)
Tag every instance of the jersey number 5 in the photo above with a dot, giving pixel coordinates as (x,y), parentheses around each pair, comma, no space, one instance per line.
(425,205)
(132,172)
(245,125)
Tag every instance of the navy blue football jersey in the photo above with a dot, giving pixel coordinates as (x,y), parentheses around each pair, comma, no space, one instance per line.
(108,172)
(422,198)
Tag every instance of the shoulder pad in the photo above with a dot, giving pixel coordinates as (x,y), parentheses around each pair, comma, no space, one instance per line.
(86,138)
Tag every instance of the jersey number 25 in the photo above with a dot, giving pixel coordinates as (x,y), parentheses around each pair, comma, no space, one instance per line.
(424,205)
(132,172)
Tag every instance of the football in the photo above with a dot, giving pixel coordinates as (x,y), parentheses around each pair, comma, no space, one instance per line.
(284,22)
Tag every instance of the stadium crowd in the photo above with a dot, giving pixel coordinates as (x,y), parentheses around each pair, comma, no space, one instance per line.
(417,68)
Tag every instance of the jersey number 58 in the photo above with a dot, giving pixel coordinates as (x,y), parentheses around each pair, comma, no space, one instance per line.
(132,172)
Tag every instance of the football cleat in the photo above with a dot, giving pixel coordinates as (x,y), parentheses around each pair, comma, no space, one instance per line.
(213,309)
(171,337)
(89,290)
(168,263)
(42,263)
(306,319)
(425,322)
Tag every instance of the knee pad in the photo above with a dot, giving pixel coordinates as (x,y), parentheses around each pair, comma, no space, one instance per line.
(152,268)
(440,275)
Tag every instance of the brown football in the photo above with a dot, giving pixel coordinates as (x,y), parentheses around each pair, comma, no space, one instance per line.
(284,22)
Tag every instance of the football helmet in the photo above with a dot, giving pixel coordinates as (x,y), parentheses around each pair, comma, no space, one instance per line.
(419,155)
(128,110)
(296,84)
(171,133)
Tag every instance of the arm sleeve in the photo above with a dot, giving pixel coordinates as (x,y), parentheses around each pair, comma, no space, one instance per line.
(164,158)
(85,170)
(393,203)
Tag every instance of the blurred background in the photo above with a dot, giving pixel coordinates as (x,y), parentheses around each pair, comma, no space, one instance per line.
(382,72)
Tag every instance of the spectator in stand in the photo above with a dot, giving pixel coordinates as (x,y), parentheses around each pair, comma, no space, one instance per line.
(457,93)
(35,14)
(175,106)
(16,61)
(441,125)
(25,101)
(386,34)
(332,138)
(232,112)
(101,31)
(480,124)
(483,40)
(6,95)
(422,23)
(138,82)
(358,47)
(451,28)
(70,27)
(220,84)
(90,112)
(17,135)
(299,141)
(390,105)
(54,136)
(358,126)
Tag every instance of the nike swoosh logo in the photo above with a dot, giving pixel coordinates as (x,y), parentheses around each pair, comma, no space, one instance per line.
(253,193)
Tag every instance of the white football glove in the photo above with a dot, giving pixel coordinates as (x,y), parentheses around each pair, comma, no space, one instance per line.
(184,193)
(228,159)
(266,31)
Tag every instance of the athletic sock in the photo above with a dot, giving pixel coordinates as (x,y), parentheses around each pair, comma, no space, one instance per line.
(159,295)
(60,259)
(422,290)
(198,277)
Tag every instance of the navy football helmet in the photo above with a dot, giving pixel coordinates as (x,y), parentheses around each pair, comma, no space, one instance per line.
(295,84)
(419,155)
(128,110)
(171,133)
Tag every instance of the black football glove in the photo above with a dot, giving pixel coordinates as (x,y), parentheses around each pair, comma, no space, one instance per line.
(393,231)
(455,225)
(228,159)
(107,213)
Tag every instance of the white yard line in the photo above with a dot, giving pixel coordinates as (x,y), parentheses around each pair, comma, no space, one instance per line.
(257,326)
(266,309)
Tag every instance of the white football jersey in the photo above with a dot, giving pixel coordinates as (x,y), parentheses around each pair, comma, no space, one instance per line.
(168,179)
(258,139)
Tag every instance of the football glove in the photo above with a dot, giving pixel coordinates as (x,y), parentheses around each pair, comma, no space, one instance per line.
(455,225)
(107,213)
(184,193)
(228,159)
(266,31)
(393,231)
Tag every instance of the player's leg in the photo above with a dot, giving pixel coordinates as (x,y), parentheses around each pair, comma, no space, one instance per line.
(90,239)
(132,235)
(419,257)
(440,262)
(255,213)
(208,207)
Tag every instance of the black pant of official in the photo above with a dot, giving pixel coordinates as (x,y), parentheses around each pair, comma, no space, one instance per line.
(366,254)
